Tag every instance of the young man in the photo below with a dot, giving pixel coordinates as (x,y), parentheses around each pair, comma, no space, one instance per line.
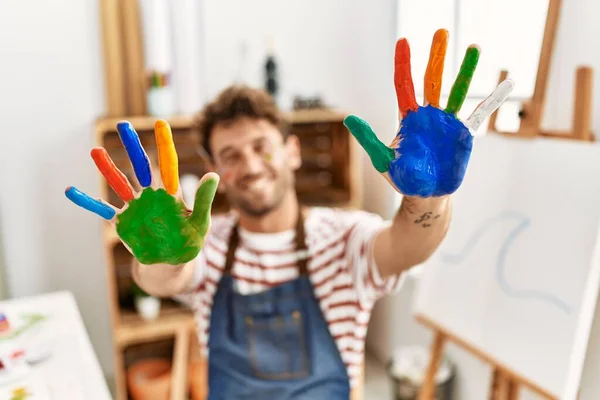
(282,293)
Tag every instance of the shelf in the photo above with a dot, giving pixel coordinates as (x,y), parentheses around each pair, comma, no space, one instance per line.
(314,116)
(132,329)
(144,123)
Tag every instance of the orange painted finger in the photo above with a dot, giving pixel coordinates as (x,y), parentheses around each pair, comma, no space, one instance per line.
(435,68)
(405,91)
(115,178)
(167,156)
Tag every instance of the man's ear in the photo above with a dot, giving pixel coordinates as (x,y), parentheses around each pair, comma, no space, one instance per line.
(292,145)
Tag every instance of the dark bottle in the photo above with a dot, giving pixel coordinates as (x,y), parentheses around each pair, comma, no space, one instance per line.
(271,84)
(271,69)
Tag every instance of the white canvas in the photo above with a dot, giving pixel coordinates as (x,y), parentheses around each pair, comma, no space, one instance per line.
(517,275)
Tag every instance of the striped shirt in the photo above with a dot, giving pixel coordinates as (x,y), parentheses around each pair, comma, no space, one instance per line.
(341,268)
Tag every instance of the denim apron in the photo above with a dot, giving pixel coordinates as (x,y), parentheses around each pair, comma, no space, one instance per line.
(275,344)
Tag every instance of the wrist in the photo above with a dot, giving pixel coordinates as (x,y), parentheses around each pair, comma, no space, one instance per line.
(163,280)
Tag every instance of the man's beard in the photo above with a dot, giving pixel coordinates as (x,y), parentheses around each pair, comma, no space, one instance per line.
(282,185)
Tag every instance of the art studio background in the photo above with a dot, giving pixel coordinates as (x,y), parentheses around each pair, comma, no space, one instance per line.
(338,52)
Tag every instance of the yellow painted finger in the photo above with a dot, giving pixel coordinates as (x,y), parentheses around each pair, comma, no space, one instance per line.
(435,68)
(167,156)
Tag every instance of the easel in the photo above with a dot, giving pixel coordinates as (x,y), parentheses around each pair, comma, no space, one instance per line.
(506,382)
(531,112)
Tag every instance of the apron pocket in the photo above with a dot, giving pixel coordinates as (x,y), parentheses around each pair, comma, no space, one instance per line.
(277,346)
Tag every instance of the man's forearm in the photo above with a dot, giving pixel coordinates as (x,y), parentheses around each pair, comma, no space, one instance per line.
(416,231)
(422,223)
(163,280)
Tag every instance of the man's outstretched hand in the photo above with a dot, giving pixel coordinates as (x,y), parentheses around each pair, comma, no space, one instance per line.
(155,224)
(429,155)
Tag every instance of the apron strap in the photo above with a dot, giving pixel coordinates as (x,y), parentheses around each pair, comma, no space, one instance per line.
(300,239)
(301,248)
(234,241)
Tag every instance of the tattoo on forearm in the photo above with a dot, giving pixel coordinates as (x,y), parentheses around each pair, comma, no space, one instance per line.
(425,219)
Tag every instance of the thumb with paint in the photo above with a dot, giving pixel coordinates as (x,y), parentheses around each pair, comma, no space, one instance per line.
(428,156)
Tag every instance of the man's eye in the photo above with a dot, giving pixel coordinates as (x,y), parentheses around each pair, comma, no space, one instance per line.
(259,148)
(230,159)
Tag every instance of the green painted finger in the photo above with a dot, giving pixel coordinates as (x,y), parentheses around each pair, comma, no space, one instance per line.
(205,195)
(463,80)
(380,154)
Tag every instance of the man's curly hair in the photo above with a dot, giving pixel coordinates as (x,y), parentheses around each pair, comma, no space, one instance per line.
(236,102)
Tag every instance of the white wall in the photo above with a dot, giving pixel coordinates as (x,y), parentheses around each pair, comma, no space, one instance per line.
(3,290)
(50,95)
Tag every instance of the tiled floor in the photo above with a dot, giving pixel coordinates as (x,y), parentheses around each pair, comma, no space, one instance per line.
(377,383)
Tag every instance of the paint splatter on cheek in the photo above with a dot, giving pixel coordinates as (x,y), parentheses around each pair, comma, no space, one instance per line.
(433,153)
(275,157)
(268,157)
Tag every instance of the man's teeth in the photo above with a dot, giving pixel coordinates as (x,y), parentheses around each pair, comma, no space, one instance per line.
(258,183)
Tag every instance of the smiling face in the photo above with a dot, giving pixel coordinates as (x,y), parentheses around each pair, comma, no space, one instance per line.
(255,162)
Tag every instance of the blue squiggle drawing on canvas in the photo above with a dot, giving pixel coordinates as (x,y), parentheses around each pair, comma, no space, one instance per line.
(523,223)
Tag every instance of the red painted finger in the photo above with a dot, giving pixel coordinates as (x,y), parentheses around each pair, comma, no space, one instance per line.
(115,178)
(405,90)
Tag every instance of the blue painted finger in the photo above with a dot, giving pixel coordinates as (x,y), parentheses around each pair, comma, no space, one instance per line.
(90,204)
(135,151)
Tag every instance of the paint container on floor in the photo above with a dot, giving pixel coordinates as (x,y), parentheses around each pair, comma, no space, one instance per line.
(407,371)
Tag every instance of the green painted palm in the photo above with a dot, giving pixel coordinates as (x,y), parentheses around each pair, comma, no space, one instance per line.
(155,224)
(158,227)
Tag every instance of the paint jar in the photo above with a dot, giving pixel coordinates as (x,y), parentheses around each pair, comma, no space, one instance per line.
(4,325)
(407,371)
(161,101)
(148,307)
